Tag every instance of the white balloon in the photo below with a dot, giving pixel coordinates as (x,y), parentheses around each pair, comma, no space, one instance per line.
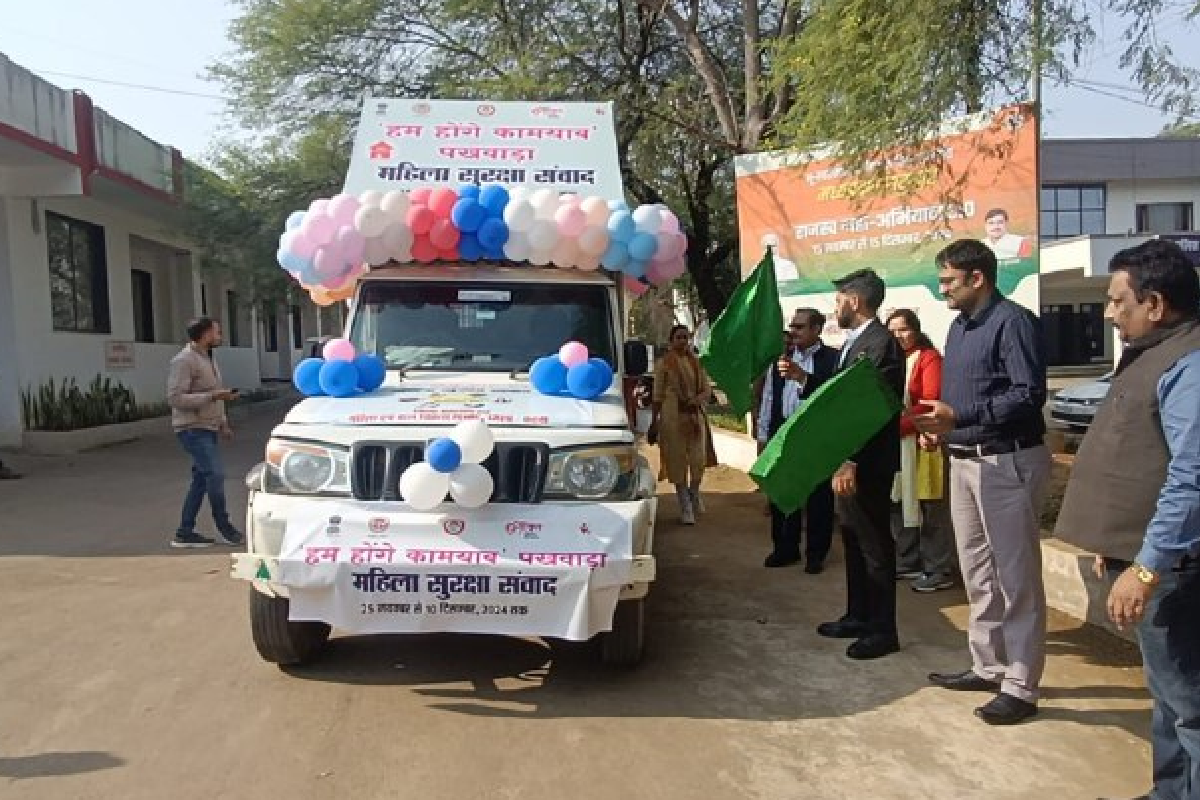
(648,219)
(397,237)
(594,239)
(471,485)
(545,203)
(475,440)
(518,193)
(376,252)
(517,247)
(395,204)
(543,235)
(565,253)
(423,487)
(519,215)
(371,198)
(370,221)
(540,258)
(596,210)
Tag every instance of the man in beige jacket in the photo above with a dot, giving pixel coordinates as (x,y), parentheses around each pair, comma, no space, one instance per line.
(197,401)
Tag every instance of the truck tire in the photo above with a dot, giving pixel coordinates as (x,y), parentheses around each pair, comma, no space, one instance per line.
(622,646)
(280,640)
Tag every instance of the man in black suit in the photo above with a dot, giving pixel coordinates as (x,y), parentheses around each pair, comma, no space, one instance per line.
(863,484)
(799,373)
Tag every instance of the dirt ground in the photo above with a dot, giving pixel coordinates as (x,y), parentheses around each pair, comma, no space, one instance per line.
(127,672)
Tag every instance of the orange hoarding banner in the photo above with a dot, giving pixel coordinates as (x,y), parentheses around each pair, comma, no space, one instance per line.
(825,221)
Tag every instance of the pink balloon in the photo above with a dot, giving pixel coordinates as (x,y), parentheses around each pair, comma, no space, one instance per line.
(441,202)
(420,197)
(420,220)
(328,262)
(573,353)
(681,243)
(443,235)
(342,208)
(318,206)
(339,350)
(635,287)
(674,268)
(299,243)
(571,221)
(670,222)
(656,273)
(594,240)
(318,228)
(351,243)
(565,253)
(588,262)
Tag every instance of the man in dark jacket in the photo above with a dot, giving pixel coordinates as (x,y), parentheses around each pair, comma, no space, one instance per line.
(1134,494)
(863,484)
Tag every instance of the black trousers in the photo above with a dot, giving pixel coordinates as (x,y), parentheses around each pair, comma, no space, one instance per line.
(870,554)
(817,516)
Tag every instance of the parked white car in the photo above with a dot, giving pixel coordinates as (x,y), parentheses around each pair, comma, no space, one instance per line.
(1076,406)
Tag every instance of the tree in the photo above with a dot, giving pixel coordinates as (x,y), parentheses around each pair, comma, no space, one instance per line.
(1180,130)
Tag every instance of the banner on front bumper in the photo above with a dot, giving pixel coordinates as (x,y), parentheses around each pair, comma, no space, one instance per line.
(541,570)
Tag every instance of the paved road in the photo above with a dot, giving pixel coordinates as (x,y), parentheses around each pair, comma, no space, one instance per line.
(127,672)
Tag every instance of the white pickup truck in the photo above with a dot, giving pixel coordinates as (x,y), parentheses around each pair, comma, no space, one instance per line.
(458,341)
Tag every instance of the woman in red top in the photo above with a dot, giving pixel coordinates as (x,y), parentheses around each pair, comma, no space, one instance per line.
(924,542)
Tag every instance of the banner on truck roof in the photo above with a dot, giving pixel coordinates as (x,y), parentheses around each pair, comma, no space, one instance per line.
(824,222)
(540,570)
(405,144)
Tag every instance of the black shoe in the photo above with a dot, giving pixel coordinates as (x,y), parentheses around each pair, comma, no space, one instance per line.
(844,628)
(815,566)
(877,645)
(967,681)
(1004,709)
(191,540)
(231,536)
(778,560)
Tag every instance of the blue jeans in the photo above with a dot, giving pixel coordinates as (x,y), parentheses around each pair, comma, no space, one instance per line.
(1169,635)
(208,478)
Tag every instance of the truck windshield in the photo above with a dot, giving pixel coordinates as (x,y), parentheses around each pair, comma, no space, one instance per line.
(479,326)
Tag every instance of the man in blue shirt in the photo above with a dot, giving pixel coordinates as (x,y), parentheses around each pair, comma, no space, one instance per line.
(1134,495)
(990,420)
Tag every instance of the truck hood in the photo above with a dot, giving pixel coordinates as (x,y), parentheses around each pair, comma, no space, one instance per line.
(450,398)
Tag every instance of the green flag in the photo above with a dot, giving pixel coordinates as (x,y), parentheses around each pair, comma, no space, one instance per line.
(747,337)
(831,426)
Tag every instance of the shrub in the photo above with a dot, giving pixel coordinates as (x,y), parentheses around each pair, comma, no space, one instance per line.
(64,406)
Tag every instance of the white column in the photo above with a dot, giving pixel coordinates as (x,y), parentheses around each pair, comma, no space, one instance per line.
(10,372)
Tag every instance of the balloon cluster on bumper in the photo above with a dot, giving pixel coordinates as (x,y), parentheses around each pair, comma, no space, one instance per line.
(453,465)
(571,373)
(341,373)
(331,245)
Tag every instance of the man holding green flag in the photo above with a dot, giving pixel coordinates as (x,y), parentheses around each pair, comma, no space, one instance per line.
(747,337)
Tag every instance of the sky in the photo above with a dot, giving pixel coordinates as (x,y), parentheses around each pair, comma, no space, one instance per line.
(161,48)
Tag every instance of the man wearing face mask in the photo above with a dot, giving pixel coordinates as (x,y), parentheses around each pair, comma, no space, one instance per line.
(1134,495)
(197,399)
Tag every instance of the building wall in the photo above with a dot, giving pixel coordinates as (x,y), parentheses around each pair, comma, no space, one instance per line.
(41,353)
(1123,197)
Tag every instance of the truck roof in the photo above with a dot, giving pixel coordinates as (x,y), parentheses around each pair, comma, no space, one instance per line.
(487,271)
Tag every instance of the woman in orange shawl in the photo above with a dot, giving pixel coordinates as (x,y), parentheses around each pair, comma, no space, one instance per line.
(680,391)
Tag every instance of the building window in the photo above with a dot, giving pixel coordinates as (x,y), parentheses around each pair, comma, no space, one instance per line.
(204,299)
(78,275)
(270,328)
(297,328)
(142,283)
(1072,211)
(231,320)
(1164,217)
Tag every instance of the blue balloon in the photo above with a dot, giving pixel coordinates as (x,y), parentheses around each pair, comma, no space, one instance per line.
(494,253)
(621,227)
(469,190)
(643,246)
(444,455)
(548,375)
(635,268)
(339,378)
(616,256)
(308,275)
(468,215)
(494,199)
(294,220)
(371,371)
(618,205)
(589,380)
(493,234)
(307,377)
(469,248)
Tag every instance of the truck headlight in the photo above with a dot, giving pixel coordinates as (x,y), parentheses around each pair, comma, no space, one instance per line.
(593,473)
(303,468)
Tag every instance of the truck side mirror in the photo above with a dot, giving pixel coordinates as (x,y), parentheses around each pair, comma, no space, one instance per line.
(637,358)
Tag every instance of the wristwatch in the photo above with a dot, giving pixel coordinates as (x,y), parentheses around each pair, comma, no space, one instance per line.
(1144,574)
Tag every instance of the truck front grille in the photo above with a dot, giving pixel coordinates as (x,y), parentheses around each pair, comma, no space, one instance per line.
(518,469)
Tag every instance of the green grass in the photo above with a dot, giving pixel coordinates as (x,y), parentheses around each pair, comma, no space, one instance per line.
(721,416)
